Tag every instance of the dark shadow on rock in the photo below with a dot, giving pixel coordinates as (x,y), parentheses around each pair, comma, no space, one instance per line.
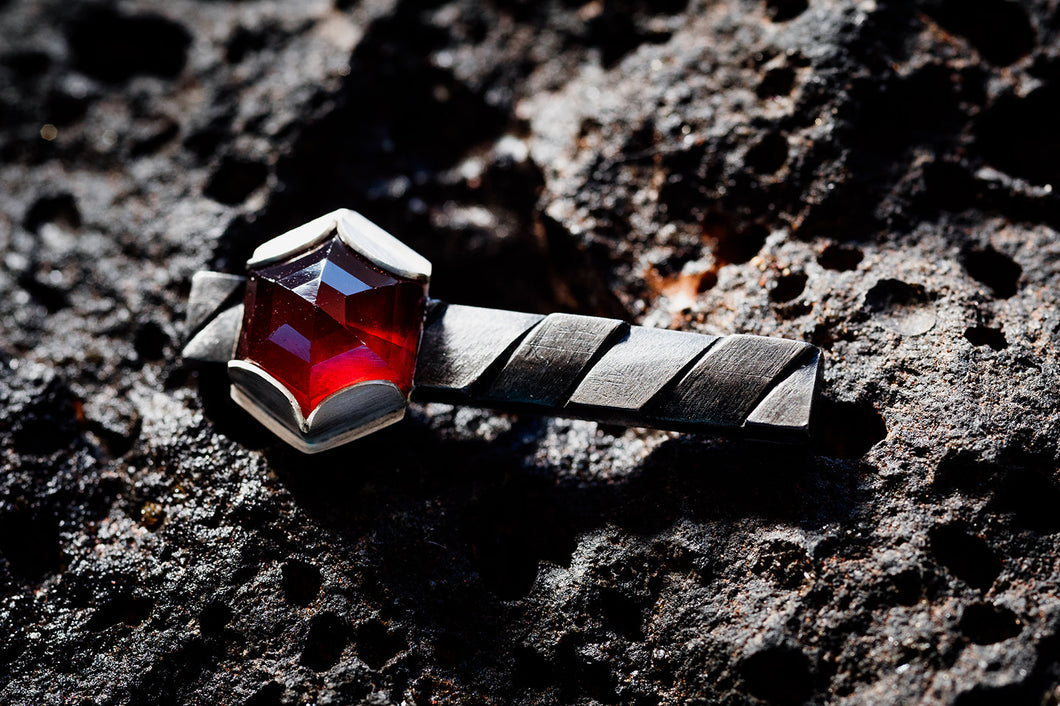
(368,134)
(456,530)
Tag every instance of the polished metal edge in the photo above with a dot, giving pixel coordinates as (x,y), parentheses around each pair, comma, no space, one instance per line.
(790,403)
(460,343)
(381,248)
(293,242)
(343,416)
(216,341)
(209,292)
(270,396)
(636,368)
(361,235)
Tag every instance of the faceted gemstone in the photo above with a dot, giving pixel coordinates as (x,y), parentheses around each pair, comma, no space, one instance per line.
(329,319)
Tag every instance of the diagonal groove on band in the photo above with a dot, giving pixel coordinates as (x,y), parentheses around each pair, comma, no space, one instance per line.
(728,381)
(548,364)
(798,361)
(788,403)
(462,346)
(211,292)
(645,363)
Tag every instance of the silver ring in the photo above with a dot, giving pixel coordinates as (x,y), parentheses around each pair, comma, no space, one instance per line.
(331,334)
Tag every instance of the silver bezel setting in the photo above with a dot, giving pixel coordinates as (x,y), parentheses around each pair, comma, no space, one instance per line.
(361,235)
(353,411)
(342,416)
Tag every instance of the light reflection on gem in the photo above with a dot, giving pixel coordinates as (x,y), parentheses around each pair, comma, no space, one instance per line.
(328,319)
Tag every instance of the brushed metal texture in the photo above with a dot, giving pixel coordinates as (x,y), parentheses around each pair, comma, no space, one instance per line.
(209,292)
(725,385)
(216,341)
(460,343)
(638,367)
(550,362)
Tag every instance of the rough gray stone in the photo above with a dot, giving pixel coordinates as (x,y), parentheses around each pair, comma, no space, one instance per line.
(872,176)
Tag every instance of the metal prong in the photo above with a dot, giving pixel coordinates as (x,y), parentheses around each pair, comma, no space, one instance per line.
(343,416)
(216,342)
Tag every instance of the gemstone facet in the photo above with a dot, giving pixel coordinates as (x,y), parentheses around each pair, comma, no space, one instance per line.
(328,319)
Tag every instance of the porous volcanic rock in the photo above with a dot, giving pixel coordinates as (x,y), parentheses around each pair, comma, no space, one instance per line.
(873,176)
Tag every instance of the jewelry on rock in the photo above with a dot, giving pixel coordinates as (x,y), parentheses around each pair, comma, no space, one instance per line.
(331,334)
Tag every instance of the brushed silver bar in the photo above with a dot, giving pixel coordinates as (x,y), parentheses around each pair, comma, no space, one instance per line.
(209,292)
(460,343)
(739,385)
(724,387)
(636,369)
(551,361)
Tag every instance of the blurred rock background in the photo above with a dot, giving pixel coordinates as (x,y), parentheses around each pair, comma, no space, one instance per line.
(873,176)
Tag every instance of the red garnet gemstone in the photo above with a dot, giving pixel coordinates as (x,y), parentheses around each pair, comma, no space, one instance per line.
(328,319)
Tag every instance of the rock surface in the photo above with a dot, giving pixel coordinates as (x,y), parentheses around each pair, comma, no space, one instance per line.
(873,176)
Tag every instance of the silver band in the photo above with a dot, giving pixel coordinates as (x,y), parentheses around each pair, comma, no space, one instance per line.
(576,366)
(609,371)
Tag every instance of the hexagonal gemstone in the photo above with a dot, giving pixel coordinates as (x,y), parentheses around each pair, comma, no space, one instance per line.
(328,319)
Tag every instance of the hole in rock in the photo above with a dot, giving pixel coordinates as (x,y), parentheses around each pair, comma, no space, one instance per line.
(891,113)
(985,624)
(622,613)
(778,675)
(29,540)
(846,429)
(49,423)
(113,46)
(769,154)
(124,609)
(62,108)
(730,242)
(269,695)
(204,142)
(301,582)
(235,179)
(60,209)
(325,641)
(150,341)
(51,297)
(996,270)
(244,41)
(901,307)
(967,556)
(839,258)
(965,472)
(617,32)
(787,287)
(905,587)
(986,336)
(1031,493)
(1018,135)
(949,186)
(155,134)
(27,64)
(784,10)
(779,81)
(214,617)
(1000,30)
(375,644)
